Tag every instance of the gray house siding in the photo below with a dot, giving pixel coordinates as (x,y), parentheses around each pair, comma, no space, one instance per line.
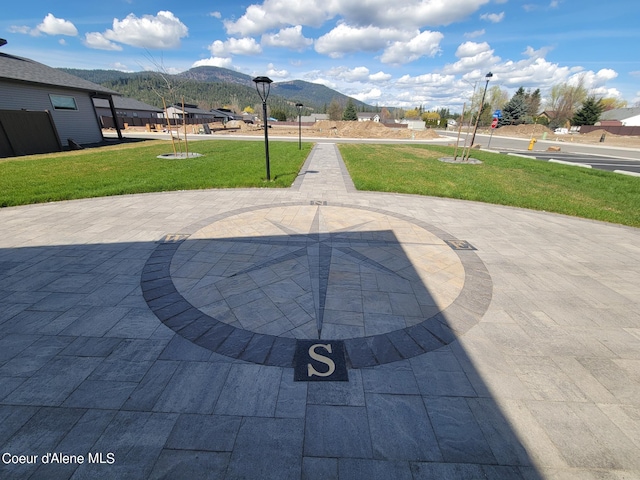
(81,125)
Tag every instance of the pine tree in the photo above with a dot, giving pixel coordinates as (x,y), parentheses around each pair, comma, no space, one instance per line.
(589,113)
(515,110)
(350,113)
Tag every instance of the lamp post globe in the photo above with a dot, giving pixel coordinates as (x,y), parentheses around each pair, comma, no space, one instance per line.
(299,107)
(263,87)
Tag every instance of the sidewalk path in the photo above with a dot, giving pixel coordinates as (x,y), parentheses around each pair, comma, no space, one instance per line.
(316,332)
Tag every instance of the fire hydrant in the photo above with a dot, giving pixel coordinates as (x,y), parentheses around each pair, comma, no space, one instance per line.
(532,143)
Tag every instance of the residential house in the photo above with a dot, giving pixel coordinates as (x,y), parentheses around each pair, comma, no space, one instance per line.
(627,117)
(128,110)
(45,109)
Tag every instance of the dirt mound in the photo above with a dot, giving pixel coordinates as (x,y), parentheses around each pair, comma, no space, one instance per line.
(596,134)
(366,130)
(523,130)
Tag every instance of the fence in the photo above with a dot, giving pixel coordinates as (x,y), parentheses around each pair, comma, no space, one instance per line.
(616,130)
(24,132)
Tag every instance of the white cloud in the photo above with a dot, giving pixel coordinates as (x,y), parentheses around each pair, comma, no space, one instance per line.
(56,26)
(276,14)
(475,33)
(275,73)
(98,41)
(291,38)
(235,46)
(19,29)
(493,17)
(408,14)
(357,74)
(222,62)
(380,77)
(347,39)
(426,43)
(373,94)
(472,56)
(215,14)
(426,79)
(163,30)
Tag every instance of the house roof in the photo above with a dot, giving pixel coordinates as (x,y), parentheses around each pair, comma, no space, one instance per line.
(620,113)
(178,108)
(126,103)
(20,69)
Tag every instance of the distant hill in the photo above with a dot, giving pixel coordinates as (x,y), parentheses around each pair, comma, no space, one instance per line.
(215,87)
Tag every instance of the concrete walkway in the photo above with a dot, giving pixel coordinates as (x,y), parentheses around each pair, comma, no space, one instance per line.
(316,332)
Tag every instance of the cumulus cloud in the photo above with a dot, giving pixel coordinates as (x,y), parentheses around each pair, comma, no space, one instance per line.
(163,30)
(472,56)
(57,26)
(380,77)
(424,44)
(347,39)
(222,62)
(276,14)
(235,46)
(272,71)
(409,14)
(291,38)
(98,41)
(357,74)
(373,94)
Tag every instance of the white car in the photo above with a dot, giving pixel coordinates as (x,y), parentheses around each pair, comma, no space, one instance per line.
(561,131)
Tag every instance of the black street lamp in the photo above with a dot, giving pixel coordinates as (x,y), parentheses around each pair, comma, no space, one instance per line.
(488,77)
(299,107)
(263,86)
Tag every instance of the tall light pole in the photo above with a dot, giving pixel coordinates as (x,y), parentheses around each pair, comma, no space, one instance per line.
(299,107)
(475,128)
(263,86)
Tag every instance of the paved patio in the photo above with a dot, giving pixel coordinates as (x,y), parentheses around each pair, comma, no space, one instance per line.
(316,332)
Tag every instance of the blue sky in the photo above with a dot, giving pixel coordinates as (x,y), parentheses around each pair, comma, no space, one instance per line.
(396,53)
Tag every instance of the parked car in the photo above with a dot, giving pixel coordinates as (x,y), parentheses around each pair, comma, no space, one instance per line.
(561,131)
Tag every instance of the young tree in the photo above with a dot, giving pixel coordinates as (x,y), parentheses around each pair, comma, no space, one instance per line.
(533,101)
(564,100)
(589,113)
(611,103)
(334,110)
(350,112)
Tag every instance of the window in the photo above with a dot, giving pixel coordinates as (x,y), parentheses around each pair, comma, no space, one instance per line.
(61,102)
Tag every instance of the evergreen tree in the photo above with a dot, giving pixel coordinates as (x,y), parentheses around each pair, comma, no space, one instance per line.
(589,113)
(515,110)
(350,112)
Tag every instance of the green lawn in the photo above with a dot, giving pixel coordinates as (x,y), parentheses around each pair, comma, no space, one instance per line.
(134,168)
(500,179)
(415,169)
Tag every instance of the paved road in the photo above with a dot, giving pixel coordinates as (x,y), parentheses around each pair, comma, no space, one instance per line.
(601,156)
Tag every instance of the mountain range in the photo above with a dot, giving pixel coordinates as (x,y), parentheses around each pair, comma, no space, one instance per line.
(215,87)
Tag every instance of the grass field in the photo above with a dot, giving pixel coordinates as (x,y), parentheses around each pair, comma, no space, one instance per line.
(414,169)
(134,168)
(500,179)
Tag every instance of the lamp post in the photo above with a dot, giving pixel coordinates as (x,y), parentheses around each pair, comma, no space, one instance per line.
(299,107)
(475,128)
(263,86)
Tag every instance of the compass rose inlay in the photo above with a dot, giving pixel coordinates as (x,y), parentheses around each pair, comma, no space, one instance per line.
(368,277)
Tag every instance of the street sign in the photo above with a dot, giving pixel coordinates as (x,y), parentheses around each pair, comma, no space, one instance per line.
(494,123)
(497,114)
